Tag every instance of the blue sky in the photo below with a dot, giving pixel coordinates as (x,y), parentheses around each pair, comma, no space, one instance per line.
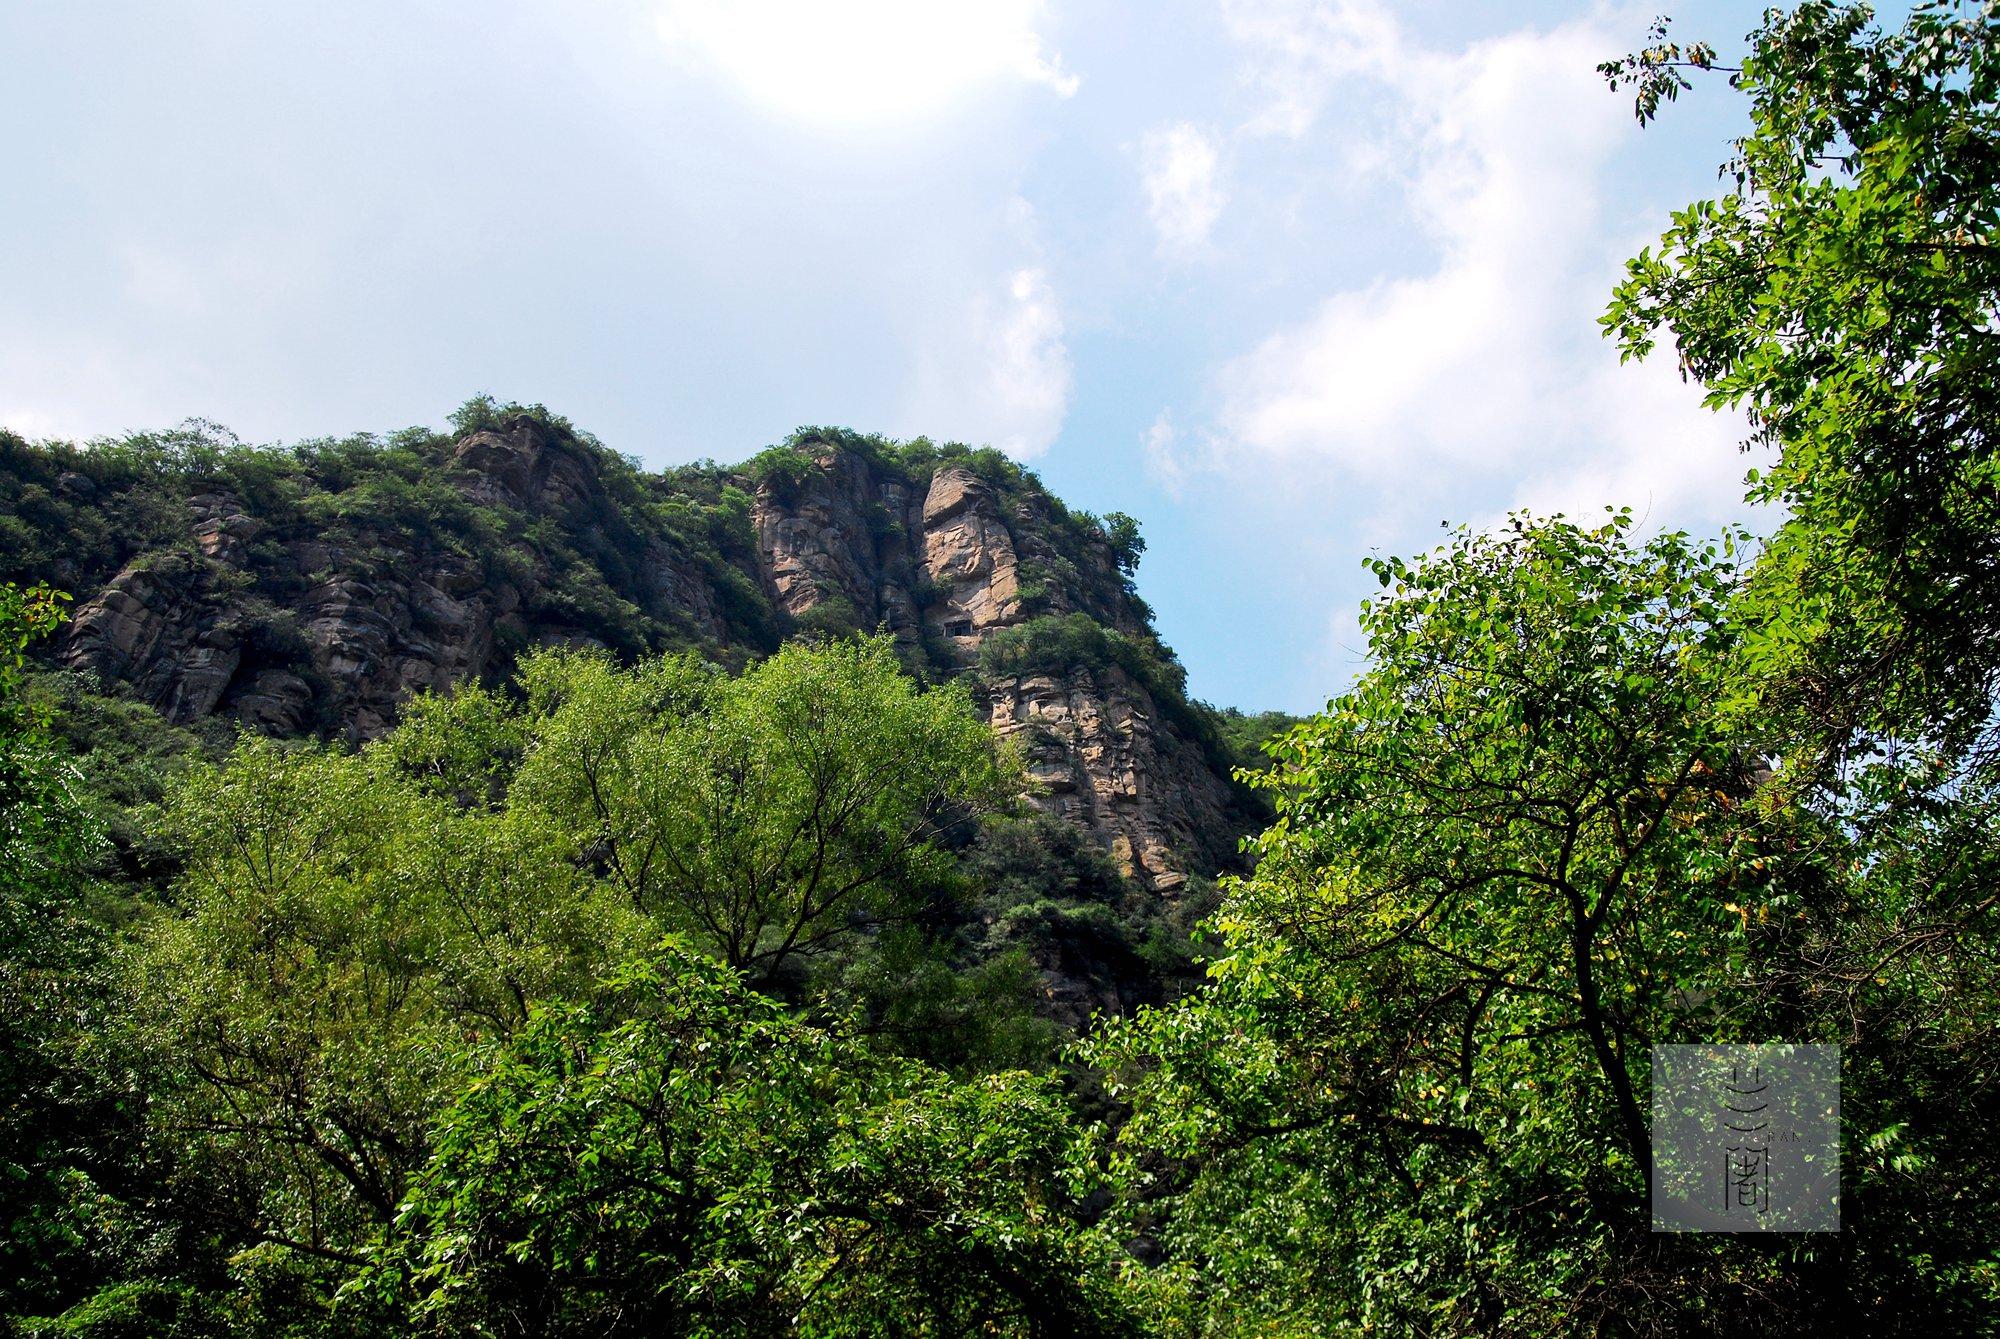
(1288,280)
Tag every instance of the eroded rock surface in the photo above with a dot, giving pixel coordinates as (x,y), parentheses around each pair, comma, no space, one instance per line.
(295,633)
(1097,748)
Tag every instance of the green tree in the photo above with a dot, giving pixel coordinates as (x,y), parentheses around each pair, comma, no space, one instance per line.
(1844,293)
(352,930)
(1523,848)
(346,934)
(52,1104)
(687,1157)
(768,816)
(1127,544)
(39,840)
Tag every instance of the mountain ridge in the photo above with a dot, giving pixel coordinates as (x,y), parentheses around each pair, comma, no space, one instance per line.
(311,590)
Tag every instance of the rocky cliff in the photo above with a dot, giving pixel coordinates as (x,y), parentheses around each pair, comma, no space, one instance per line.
(314,590)
(947,561)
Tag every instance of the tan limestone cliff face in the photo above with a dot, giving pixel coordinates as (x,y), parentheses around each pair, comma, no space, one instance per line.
(119,630)
(518,463)
(848,534)
(181,630)
(969,557)
(221,527)
(181,634)
(1098,753)
(160,629)
(382,645)
(1101,759)
(815,542)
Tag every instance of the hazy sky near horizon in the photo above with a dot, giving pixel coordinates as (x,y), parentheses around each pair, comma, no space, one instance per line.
(1288,280)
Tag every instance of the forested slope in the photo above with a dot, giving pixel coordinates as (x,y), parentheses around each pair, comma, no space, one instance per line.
(462,884)
(311,590)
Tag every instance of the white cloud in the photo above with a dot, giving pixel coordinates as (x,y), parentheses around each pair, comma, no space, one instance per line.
(1656,450)
(1462,364)
(1487,364)
(34,424)
(992,364)
(1454,369)
(1298,49)
(1025,392)
(1165,459)
(865,64)
(1178,166)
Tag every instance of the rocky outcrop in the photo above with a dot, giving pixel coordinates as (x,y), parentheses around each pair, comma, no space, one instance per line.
(148,628)
(221,527)
(945,565)
(296,628)
(1103,760)
(164,628)
(522,465)
(318,635)
(969,556)
(191,633)
(380,644)
(825,540)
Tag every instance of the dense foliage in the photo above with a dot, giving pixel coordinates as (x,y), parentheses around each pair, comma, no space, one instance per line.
(688,1157)
(1597,794)
(361,953)
(635,993)
(1543,834)
(1843,293)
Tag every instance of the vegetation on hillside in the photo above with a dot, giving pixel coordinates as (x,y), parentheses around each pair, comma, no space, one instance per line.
(639,993)
(77,514)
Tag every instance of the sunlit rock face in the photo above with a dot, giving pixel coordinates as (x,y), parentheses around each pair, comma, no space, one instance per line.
(942,566)
(291,633)
(969,555)
(1104,761)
